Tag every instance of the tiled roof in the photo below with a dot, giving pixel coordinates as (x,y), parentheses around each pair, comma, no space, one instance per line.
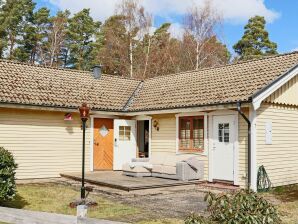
(43,86)
(219,85)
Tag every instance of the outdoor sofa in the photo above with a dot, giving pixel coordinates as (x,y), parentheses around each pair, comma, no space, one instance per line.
(170,167)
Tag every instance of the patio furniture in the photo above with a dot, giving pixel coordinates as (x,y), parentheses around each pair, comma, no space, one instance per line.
(138,167)
(170,167)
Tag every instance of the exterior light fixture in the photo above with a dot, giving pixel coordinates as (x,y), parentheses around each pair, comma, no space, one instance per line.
(84,114)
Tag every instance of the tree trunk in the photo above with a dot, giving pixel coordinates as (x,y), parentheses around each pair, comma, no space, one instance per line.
(197,56)
(147,57)
(130,57)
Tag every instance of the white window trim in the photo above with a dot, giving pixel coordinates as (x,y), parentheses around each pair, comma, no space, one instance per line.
(236,144)
(205,151)
(146,118)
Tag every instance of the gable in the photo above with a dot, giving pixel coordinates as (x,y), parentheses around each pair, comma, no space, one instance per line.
(286,94)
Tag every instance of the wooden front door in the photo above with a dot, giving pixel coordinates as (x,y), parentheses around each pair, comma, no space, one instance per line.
(103,144)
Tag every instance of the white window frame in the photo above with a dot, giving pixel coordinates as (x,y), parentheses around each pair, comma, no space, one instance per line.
(193,114)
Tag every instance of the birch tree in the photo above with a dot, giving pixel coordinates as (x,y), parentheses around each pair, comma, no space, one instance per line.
(136,21)
(201,23)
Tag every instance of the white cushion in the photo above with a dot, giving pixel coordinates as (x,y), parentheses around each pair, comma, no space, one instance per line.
(157,160)
(169,170)
(135,169)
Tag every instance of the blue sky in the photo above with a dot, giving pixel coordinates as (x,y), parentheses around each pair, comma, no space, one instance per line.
(282,15)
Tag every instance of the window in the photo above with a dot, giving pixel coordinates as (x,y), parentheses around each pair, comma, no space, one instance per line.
(124,133)
(191,133)
(224,132)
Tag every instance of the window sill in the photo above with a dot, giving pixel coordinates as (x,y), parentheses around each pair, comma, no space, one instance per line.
(196,152)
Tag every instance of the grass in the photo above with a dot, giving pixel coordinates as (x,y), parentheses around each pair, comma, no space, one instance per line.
(56,198)
(288,206)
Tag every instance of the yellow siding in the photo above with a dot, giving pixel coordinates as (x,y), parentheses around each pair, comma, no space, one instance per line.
(287,94)
(163,142)
(43,144)
(281,158)
(242,139)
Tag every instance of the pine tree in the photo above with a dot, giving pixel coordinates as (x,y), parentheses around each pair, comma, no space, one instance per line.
(32,47)
(14,16)
(81,34)
(255,42)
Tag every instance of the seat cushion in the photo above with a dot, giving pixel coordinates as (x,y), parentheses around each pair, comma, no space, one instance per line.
(157,169)
(135,168)
(157,160)
(170,161)
(169,169)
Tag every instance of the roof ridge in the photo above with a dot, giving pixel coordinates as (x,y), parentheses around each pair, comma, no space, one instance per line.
(225,65)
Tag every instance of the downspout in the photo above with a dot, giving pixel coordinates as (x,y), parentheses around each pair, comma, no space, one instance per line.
(248,143)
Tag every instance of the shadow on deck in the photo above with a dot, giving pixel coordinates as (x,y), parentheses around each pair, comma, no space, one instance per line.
(115,179)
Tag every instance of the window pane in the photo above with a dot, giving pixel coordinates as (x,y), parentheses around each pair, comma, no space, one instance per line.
(198,133)
(185,134)
(124,133)
(224,132)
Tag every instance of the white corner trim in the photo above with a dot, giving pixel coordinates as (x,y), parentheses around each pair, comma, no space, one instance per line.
(256,101)
(205,152)
(91,143)
(254,167)
(236,151)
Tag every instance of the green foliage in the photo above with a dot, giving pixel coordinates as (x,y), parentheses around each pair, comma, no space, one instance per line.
(196,219)
(81,32)
(7,175)
(255,42)
(241,207)
(14,16)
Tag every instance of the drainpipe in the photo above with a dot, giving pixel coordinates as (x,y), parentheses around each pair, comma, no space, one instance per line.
(248,143)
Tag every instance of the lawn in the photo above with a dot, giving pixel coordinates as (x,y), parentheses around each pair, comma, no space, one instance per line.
(287,203)
(56,198)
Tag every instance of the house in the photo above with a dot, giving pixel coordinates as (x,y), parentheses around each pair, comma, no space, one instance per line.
(235,118)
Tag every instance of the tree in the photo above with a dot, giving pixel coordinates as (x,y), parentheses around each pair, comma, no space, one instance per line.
(111,50)
(57,52)
(34,37)
(137,23)
(14,15)
(81,34)
(255,42)
(200,26)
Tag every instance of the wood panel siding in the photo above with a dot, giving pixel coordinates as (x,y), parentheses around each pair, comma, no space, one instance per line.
(103,145)
(287,94)
(243,149)
(279,158)
(43,144)
(163,142)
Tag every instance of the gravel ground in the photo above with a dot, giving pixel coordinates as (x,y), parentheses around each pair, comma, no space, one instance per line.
(170,204)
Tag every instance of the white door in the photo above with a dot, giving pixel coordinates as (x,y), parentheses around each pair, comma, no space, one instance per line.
(223,147)
(124,142)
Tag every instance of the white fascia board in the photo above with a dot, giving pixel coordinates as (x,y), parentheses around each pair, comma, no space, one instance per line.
(259,97)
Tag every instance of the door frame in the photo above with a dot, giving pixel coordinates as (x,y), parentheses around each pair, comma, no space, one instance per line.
(91,149)
(236,144)
(145,118)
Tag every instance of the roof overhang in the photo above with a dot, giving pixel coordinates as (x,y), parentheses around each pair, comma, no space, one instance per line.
(213,107)
(261,95)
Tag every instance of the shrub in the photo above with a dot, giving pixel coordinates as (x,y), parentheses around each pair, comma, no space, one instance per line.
(196,219)
(241,207)
(7,175)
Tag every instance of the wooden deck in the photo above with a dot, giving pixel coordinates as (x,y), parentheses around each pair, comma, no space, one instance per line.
(115,179)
